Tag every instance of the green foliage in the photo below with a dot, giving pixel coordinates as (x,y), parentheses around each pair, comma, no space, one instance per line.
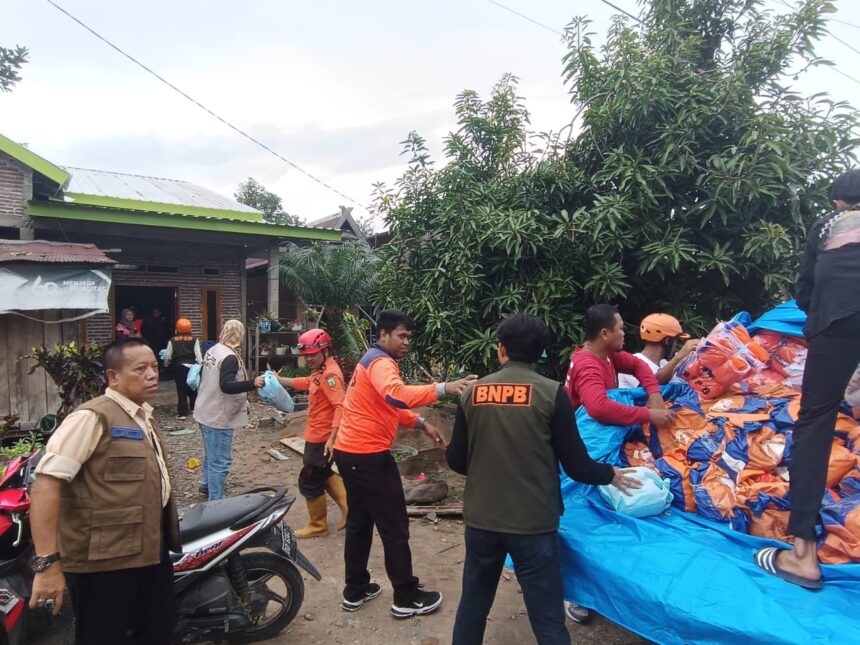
(23,446)
(76,369)
(11,62)
(256,196)
(294,372)
(685,186)
(339,278)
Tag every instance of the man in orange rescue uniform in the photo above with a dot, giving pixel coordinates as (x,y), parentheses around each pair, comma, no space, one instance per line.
(326,388)
(377,402)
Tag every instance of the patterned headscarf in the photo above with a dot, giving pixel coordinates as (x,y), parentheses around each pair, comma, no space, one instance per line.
(129,325)
(232,334)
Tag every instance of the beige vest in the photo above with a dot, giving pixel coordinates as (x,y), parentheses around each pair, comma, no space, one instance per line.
(111,515)
(214,408)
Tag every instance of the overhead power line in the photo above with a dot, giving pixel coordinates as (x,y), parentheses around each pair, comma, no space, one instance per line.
(617,8)
(845,22)
(206,109)
(525,17)
(841,73)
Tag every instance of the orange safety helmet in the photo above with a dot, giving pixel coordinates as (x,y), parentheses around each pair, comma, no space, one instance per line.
(657,327)
(313,341)
(183,326)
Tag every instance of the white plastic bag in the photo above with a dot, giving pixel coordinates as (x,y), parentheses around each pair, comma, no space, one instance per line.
(193,378)
(274,393)
(652,499)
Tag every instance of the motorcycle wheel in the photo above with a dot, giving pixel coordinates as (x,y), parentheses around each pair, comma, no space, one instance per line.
(287,595)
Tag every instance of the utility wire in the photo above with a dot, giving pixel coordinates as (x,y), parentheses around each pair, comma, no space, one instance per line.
(841,73)
(845,22)
(836,38)
(525,17)
(617,8)
(206,109)
(841,22)
(851,47)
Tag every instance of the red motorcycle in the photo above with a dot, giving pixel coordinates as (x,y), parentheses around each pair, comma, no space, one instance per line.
(16,549)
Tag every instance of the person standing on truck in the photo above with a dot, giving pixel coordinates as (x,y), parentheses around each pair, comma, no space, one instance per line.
(828,290)
(511,431)
(377,402)
(325,402)
(660,333)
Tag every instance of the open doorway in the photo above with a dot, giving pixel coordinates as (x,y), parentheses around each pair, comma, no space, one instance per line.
(157,330)
(210,297)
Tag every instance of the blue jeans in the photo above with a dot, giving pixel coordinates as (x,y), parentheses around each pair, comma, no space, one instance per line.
(538,566)
(218,445)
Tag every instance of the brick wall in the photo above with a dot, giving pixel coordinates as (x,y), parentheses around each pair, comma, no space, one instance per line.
(189,282)
(16,188)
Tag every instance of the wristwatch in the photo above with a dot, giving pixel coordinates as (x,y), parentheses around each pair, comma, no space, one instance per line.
(42,562)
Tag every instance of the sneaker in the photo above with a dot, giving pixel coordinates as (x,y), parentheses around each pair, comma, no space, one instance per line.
(423,602)
(373,590)
(577,613)
(181,417)
(203,489)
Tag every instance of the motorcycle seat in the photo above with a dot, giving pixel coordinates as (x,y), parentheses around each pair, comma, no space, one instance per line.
(206,518)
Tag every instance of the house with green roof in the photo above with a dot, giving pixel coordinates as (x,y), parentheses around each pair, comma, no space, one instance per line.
(178,247)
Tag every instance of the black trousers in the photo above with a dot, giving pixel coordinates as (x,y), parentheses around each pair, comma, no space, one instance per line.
(316,469)
(126,607)
(375,497)
(833,356)
(184,394)
(538,566)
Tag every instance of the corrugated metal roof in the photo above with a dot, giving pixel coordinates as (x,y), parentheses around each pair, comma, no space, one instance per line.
(149,189)
(51,252)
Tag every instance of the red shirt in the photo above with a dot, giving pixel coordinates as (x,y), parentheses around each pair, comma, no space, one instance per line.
(589,378)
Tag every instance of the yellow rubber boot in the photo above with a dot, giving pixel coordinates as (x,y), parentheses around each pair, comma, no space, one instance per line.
(334,487)
(317,520)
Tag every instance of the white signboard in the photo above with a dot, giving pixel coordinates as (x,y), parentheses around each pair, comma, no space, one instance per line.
(29,287)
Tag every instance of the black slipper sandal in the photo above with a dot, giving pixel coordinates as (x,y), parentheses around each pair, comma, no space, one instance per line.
(766,559)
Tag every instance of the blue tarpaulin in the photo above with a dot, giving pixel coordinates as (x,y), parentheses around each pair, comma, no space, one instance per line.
(677,578)
(786,318)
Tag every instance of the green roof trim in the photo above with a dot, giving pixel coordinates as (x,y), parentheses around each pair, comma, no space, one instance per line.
(58,210)
(102,201)
(34,161)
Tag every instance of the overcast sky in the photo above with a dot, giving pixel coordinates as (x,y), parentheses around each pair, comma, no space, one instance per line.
(332,85)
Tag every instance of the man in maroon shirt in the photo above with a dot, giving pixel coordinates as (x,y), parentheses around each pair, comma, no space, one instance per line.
(594,369)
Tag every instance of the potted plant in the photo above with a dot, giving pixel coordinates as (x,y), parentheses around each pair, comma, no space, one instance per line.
(265,348)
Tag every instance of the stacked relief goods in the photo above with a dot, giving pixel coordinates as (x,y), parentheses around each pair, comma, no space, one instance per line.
(727,452)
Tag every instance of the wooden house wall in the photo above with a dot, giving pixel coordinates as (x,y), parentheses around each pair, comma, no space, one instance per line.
(31,396)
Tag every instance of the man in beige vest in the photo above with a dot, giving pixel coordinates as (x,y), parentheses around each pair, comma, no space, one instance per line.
(102,513)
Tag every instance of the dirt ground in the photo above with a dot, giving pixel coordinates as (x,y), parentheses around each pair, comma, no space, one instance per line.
(437,548)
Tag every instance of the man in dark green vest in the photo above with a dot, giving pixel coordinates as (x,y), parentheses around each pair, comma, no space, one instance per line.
(512,429)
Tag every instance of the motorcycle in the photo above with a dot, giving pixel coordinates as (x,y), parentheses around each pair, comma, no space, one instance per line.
(16,549)
(228,589)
